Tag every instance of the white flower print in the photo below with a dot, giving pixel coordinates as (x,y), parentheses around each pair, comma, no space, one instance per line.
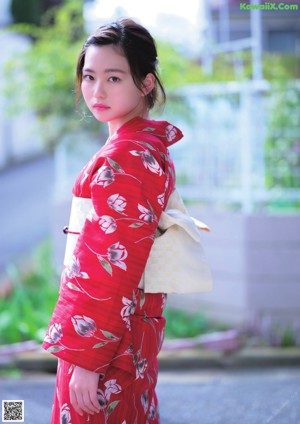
(147,214)
(171,133)
(116,255)
(54,333)
(112,387)
(104,397)
(107,224)
(73,270)
(54,336)
(153,410)
(161,199)
(117,203)
(151,163)
(103,401)
(141,367)
(105,176)
(129,309)
(145,400)
(65,414)
(84,326)
(148,160)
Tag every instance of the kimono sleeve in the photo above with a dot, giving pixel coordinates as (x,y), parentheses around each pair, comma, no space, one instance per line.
(98,291)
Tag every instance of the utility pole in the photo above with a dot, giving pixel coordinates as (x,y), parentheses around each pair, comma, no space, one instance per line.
(256,30)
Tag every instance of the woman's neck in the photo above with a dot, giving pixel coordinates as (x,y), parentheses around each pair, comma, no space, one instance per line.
(114,126)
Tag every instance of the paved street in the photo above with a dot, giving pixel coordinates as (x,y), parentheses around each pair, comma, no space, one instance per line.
(26,196)
(248,396)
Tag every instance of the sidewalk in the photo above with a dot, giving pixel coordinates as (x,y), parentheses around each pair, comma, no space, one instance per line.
(177,359)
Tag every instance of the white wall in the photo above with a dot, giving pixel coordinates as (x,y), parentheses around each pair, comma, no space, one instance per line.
(255,267)
(19,133)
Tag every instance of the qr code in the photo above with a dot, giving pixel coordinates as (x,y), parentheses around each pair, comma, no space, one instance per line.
(13,411)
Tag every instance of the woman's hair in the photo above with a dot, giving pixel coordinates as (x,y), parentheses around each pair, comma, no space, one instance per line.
(137,45)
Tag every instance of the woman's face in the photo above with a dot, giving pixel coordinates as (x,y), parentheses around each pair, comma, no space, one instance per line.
(108,87)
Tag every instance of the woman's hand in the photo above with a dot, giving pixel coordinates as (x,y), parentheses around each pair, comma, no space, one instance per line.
(83,391)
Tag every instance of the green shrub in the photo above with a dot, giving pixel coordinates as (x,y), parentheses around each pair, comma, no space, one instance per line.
(182,324)
(25,314)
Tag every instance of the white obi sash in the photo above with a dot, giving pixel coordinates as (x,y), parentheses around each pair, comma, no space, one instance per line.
(79,211)
(176,263)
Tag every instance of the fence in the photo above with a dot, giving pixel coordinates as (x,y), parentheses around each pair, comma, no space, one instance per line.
(242,145)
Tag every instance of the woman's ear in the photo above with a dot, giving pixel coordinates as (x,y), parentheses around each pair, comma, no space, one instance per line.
(148,84)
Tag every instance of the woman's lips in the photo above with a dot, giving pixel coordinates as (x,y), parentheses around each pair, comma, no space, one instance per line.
(100,106)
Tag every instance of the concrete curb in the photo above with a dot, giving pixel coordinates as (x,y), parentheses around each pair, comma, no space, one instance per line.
(181,359)
(243,358)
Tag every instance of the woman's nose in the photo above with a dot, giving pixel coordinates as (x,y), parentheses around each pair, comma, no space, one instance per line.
(99,90)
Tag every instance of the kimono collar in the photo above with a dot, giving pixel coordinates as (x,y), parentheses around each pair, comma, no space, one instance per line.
(166,132)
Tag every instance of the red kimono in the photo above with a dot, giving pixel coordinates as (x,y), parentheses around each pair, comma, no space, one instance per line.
(102,321)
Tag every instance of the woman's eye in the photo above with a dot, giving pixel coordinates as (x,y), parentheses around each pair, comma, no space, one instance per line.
(87,77)
(114,79)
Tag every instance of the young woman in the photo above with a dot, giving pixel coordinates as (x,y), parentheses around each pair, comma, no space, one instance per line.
(105,330)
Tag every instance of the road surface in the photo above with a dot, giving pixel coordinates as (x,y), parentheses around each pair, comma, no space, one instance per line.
(26,192)
(217,396)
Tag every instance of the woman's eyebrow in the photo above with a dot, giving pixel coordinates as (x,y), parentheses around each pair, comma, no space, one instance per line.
(88,70)
(108,70)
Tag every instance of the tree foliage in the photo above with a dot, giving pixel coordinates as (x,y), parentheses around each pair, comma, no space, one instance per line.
(44,76)
(50,63)
(45,73)
(31,11)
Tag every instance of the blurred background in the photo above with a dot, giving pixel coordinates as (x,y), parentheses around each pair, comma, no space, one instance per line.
(232,74)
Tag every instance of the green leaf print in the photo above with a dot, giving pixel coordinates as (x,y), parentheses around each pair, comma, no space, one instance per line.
(73,287)
(96,346)
(144,143)
(136,225)
(149,129)
(109,335)
(142,301)
(106,265)
(55,349)
(111,407)
(115,165)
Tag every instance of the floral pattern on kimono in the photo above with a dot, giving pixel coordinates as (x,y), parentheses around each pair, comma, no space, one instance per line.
(99,322)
